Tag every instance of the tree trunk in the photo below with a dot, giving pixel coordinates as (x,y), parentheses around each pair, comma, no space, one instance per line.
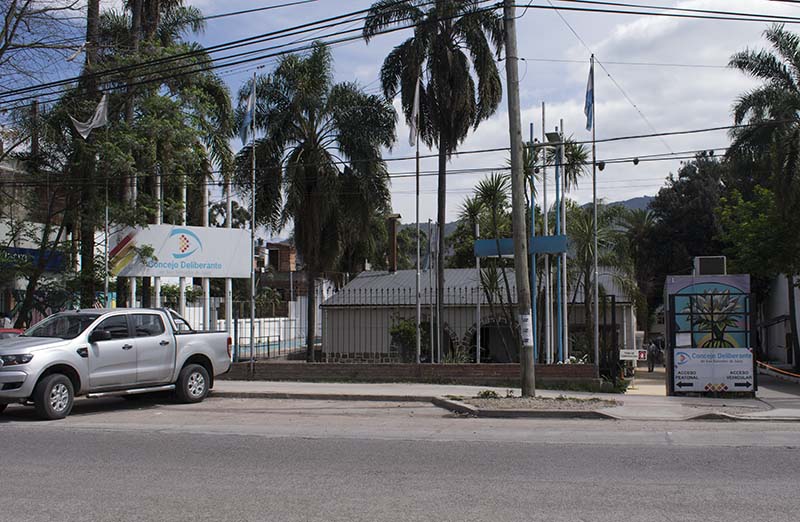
(588,304)
(793,321)
(87,211)
(441,216)
(311,326)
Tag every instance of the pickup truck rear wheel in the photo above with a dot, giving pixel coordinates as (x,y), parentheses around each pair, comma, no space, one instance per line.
(53,397)
(192,385)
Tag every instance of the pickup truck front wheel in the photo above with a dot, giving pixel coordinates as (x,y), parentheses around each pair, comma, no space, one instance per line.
(3,408)
(192,385)
(53,397)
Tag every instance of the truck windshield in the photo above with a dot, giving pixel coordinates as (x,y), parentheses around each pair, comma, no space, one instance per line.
(68,326)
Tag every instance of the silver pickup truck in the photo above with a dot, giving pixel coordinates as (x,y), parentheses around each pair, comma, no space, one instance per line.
(101,353)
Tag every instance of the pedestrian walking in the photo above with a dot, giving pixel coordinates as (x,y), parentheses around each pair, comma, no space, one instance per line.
(652,352)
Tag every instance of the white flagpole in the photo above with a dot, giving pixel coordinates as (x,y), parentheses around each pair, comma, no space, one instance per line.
(415,122)
(253,230)
(594,205)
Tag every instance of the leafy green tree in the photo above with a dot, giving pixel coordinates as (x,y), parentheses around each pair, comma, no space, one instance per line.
(322,143)
(685,223)
(637,228)
(771,141)
(612,253)
(453,54)
(407,247)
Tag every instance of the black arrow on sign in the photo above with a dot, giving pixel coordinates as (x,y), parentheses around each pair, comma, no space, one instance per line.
(683,384)
(746,384)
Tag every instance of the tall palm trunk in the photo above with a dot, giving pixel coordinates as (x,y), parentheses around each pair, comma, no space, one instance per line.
(441,215)
(88,163)
(311,319)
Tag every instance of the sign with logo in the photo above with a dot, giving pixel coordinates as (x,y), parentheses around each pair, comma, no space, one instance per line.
(713,370)
(642,355)
(182,251)
(628,355)
(54,260)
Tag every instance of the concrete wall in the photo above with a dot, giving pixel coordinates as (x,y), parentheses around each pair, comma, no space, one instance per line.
(776,315)
(362,333)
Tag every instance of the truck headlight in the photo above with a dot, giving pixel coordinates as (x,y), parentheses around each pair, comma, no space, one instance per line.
(15,360)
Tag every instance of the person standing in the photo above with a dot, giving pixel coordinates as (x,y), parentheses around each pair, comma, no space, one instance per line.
(652,352)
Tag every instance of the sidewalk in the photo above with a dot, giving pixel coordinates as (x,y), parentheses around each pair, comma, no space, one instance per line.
(632,407)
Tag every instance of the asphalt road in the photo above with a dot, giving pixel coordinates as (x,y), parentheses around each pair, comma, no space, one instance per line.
(230,459)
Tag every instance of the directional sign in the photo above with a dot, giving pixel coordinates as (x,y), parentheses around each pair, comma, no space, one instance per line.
(628,355)
(713,370)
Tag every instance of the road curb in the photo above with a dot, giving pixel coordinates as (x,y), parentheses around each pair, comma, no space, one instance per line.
(467,409)
(319,396)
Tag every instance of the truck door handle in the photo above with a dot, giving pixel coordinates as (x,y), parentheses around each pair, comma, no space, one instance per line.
(127,346)
(164,343)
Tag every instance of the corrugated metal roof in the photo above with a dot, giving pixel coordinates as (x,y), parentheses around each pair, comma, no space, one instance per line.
(381,288)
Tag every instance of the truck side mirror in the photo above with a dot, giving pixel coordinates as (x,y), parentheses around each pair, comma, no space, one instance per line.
(99,335)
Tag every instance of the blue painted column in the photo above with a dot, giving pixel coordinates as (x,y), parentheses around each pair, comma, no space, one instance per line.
(559,318)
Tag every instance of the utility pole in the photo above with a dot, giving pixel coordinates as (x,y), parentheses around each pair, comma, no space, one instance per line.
(518,204)
(88,164)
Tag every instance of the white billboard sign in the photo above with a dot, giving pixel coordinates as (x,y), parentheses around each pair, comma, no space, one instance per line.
(182,251)
(628,355)
(713,370)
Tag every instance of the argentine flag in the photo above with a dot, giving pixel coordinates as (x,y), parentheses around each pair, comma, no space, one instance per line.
(588,107)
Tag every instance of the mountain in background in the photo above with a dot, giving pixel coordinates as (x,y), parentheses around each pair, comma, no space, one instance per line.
(642,202)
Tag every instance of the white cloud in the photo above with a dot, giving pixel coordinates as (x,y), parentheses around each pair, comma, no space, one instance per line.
(672,98)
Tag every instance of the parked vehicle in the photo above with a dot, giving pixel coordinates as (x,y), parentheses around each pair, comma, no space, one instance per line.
(114,352)
(7,333)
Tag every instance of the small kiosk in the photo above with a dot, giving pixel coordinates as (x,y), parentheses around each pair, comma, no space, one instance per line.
(709,337)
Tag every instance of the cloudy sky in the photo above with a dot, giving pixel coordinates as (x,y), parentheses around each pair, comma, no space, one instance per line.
(673,70)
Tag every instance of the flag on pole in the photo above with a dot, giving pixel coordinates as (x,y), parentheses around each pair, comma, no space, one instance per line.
(99,119)
(588,107)
(249,114)
(412,135)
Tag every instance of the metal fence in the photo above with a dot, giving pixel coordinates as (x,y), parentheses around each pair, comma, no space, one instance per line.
(379,325)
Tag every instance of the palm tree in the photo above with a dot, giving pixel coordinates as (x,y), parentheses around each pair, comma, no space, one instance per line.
(451,55)
(772,137)
(611,252)
(637,227)
(322,145)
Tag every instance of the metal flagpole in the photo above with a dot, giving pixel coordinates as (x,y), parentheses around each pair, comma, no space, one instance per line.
(534,288)
(564,184)
(419,306)
(253,232)
(430,283)
(182,279)
(105,256)
(548,297)
(478,301)
(559,325)
(594,205)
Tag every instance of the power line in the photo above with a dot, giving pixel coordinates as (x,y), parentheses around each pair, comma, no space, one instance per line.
(299,29)
(715,12)
(610,77)
(257,9)
(635,64)
(692,16)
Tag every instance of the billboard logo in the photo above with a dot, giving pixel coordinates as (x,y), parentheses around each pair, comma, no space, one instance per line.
(187,243)
(682,358)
